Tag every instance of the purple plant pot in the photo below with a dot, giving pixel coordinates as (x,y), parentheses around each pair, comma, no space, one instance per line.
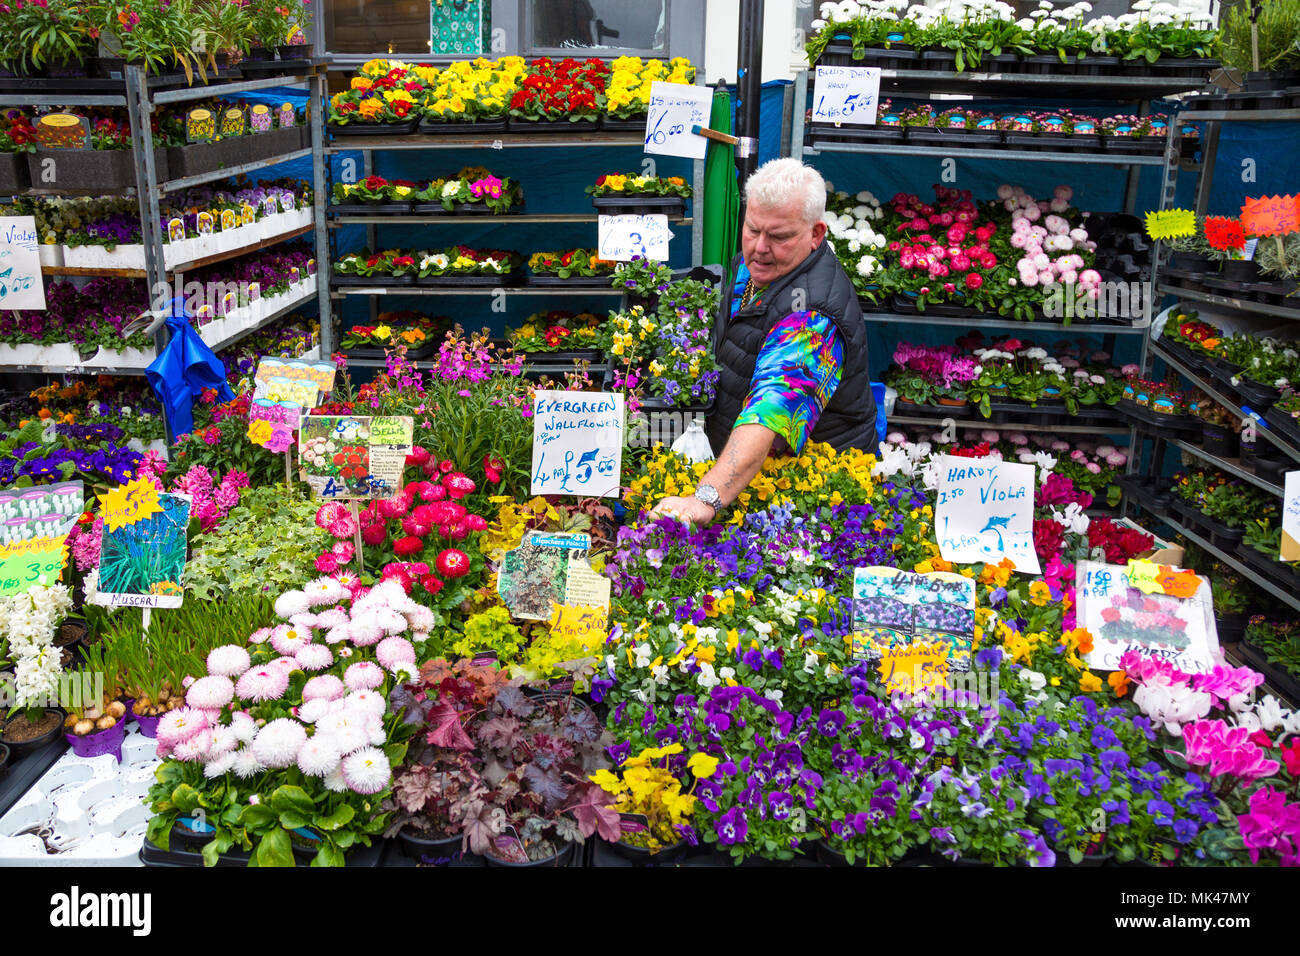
(148,725)
(97,744)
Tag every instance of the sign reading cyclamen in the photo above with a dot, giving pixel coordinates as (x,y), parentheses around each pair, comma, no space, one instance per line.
(985,512)
(577,443)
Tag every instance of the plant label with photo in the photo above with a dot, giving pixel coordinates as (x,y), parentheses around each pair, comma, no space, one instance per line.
(674,109)
(349,456)
(142,562)
(63,131)
(577,443)
(1121,616)
(233,122)
(1291,518)
(200,126)
(624,237)
(21,286)
(260,118)
(985,512)
(285,116)
(547,570)
(846,95)
(320,373)
(892,608)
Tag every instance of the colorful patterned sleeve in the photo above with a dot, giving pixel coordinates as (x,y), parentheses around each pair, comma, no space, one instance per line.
(796,374)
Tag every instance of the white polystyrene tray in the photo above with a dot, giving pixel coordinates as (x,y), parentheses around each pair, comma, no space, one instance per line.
(93,808)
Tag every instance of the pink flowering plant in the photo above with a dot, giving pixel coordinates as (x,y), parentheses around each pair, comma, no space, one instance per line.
(1249,753)
(289,741)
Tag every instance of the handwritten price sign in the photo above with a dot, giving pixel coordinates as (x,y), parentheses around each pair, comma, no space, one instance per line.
(584,623)
(674,109)
(623,237)
(20,264)
(1271,215)
(1151,578)
(911,668)
(847,94)
(1291,517)
(28,564)
(129,503)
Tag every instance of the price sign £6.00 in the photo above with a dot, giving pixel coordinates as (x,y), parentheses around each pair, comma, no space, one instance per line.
(674,109)
(846,94)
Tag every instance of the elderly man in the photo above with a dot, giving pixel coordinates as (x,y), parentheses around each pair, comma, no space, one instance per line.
(792,345)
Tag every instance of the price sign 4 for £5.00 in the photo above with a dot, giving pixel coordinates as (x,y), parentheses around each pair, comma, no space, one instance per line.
(846,94)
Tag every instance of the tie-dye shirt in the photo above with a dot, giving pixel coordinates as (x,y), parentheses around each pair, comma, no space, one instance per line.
(797,372)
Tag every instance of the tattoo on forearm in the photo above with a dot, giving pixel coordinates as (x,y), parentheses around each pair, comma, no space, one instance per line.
(735,476)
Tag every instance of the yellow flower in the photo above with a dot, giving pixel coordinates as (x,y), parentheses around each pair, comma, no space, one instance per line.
(1039,593)
(383,332)
(702,765)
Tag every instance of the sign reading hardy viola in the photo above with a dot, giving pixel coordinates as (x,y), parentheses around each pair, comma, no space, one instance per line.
(892,608)
(846,94)
(577,443)
(625,237)
(985,512)
(675,108)
(1136,611)
(547,570)
(354,456)
(142,562)
(20,264)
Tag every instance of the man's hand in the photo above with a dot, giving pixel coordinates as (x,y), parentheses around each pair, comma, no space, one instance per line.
(685,509)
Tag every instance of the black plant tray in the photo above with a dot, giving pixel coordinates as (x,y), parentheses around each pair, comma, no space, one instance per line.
(515,125)
(368,281)
(633,124)
(103,169)
(371,208)
(907,306)
(564,357)
(14,174)
(508,279)
(1283,426)
(429,348)
(404,128)
(365,857)
(1133,145)
(674,207)
(1259,397)
(928,136)
(821,132)
(101,85)
(435,127)
(22,772)
(573,282)
(464,209)
(1274,675)
(933,411)
(1141,415)
(198,158)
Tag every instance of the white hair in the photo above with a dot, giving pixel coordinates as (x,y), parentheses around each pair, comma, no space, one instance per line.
(779,182)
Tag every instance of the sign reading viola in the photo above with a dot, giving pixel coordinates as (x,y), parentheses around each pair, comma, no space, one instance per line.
(846,94)
(20,264)
(985,512)
(577,443)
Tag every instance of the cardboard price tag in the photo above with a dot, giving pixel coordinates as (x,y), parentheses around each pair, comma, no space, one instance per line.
(1171,223)
(1271,215)
(624,237)
(674,109)
(910,668)
(1151,578)
(585,623)
(128,504)
(28,564)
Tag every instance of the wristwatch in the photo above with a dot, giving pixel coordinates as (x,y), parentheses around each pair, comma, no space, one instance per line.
(709,495)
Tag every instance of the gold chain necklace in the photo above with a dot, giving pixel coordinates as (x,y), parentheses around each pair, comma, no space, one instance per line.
(747,295)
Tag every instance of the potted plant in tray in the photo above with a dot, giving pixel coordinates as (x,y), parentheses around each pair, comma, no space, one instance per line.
(500,769)
(54,37)
(17,136)
(653,812)
(27,624)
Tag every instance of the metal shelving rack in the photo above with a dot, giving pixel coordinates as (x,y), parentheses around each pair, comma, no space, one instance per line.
(369,145)
(1010,86)
(140,101)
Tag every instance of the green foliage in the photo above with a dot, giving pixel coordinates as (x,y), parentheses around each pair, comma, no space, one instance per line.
(264,546)
(1279,36)
(490,630)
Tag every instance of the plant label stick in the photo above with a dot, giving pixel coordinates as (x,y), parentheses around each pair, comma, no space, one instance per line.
(361,558)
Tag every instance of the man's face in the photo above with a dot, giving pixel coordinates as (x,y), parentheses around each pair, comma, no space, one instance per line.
(776,239)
